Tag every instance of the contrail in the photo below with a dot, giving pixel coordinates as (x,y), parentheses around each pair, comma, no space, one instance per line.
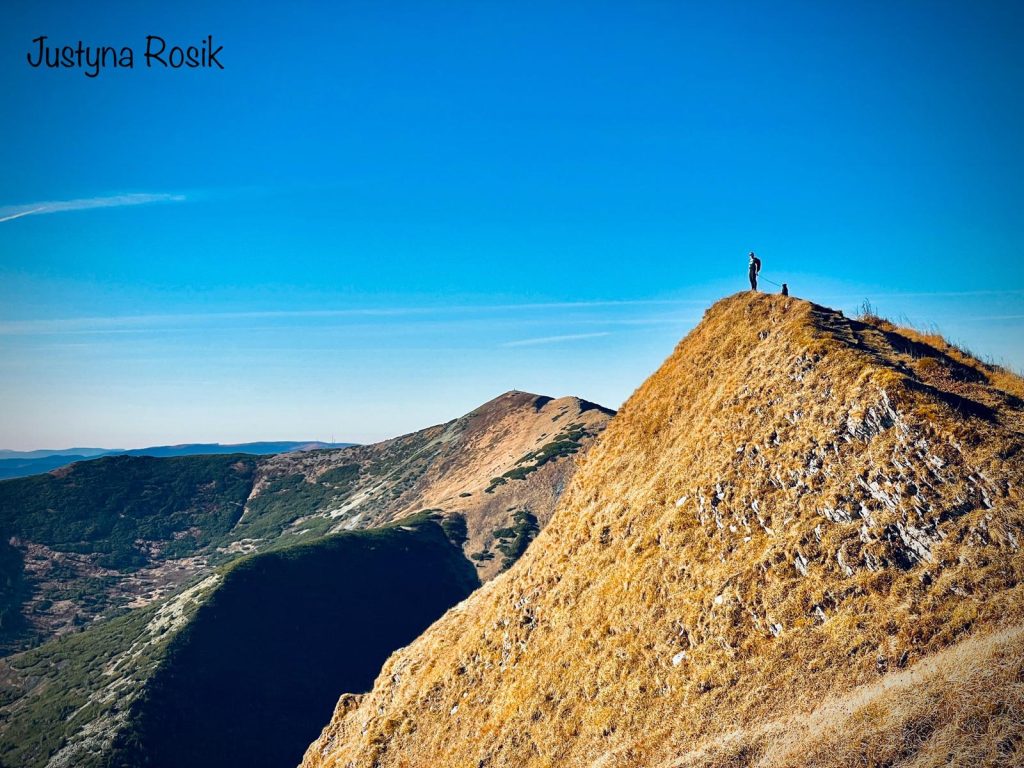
(24,213)
(11,212)
(554,339)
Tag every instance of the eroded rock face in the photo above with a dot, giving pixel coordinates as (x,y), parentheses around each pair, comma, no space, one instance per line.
(794,505)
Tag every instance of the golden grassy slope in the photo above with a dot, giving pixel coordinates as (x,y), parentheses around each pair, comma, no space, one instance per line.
(794,509)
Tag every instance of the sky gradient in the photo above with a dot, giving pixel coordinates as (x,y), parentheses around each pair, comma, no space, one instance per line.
(380,215)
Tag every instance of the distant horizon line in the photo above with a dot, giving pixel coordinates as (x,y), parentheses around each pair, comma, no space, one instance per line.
(5,452)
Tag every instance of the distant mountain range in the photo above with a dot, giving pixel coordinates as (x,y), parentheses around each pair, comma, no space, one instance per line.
(25,463)
(44,452)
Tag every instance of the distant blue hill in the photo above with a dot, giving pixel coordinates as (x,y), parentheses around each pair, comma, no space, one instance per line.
(23,463)
(10,468)
(43,453)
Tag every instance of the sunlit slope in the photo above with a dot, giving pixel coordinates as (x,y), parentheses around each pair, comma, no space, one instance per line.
(485,472)
(797,544)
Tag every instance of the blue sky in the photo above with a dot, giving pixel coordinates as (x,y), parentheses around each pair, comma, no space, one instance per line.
(380,215)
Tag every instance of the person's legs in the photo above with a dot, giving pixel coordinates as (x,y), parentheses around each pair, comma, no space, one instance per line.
(753,281)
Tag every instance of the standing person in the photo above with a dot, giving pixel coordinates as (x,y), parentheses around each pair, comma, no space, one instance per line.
(753,270)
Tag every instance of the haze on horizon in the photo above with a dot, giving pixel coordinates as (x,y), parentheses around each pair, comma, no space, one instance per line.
(377,218)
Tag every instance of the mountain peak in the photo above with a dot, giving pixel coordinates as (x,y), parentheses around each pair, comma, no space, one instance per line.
(797,505)
(512,400)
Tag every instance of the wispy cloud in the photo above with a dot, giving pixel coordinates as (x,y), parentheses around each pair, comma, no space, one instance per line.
(11,212)
(133,323)
(554,339)
(992,292)
(987,318)
(117,323)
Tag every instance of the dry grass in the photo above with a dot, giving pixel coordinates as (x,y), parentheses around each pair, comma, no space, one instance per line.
(794,505)
(963,706)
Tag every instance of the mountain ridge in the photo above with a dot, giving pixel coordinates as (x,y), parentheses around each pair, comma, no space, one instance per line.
(122,530)
(14,464)
(794,505)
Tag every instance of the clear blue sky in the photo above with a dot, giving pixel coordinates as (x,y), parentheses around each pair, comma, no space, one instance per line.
(381,214)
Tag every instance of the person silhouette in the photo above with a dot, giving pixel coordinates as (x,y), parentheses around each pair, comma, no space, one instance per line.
(753,270)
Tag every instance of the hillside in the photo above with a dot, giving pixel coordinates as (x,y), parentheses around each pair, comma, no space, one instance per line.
(507,460)
(10,468)
(99,537)
(108,534)
(25,463)
(241,667)
(121,555)
(797,544)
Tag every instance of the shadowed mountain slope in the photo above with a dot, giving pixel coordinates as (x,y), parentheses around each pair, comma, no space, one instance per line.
(241,667)
(798,543)
(249,678)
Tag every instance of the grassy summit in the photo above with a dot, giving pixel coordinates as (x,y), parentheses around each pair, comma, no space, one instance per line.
(798,543)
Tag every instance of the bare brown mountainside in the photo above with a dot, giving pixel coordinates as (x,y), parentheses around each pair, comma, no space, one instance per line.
(501,461)
(798,544)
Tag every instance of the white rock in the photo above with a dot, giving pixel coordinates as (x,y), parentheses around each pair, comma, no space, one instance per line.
(801,564)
